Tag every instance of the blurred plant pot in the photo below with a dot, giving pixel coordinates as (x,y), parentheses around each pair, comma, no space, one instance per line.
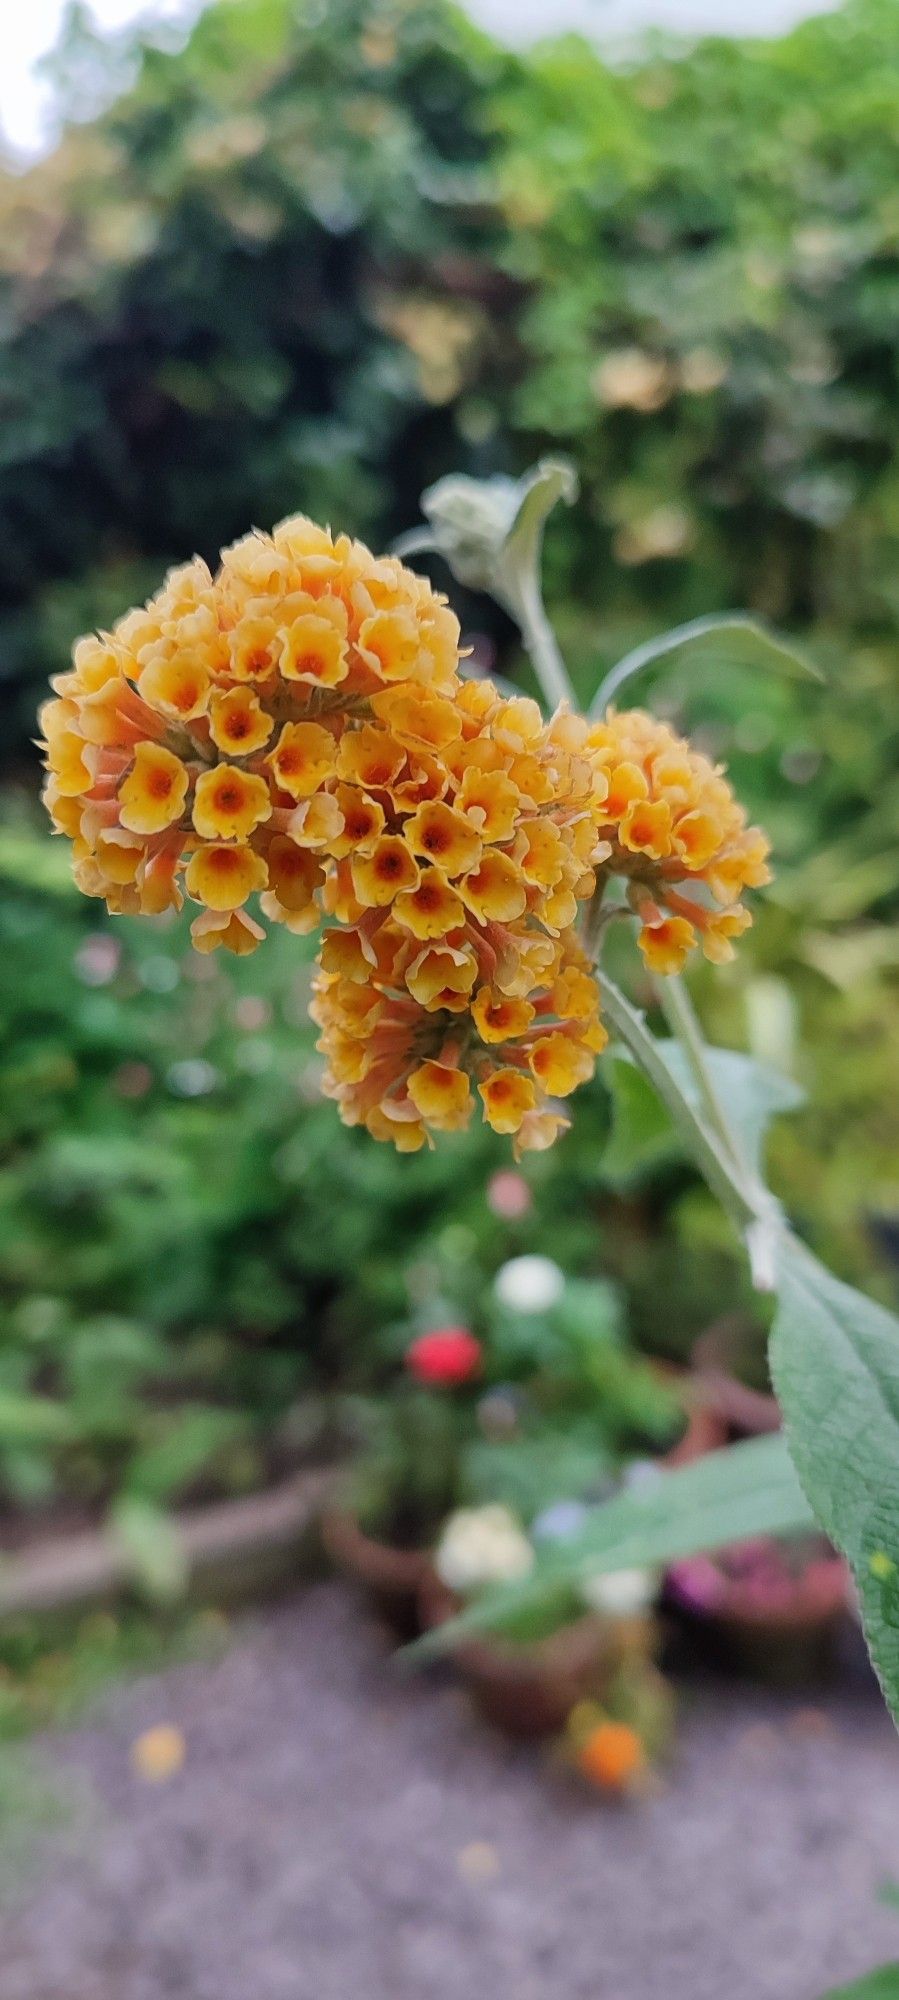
(706,1429)
(529,1690)
(390,1577)
(749,1612)
(716,1361)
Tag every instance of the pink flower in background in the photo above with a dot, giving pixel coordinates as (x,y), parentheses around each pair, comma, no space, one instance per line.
(445,1358)
(508,1195)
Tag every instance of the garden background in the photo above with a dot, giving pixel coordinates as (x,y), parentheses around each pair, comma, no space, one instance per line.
(315,258)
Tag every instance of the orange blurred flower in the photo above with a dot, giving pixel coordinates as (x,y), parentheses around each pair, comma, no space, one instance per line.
(612,1756)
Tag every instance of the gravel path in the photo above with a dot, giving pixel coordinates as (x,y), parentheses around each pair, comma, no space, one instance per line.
(337,1831)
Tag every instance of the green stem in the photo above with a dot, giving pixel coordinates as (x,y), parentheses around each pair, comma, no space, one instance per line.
(541,644)
(717,1171)
(680,1014)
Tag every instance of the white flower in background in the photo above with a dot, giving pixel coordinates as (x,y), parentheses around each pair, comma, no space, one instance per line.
(529,1284)
(480,1546)
(622,1593)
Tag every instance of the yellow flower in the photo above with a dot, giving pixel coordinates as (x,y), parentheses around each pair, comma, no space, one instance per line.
(229,803)
(344,954)
(420,720)
(442,1095)
(498,1019)
(238,724)
(491,801)
(442,975)
(153,794)
(697,836)
(430,910)
(314,649)
(66,760)
(303,758)
(667,944)
(671,822)
(159,890)
(627,784)
(560,1063)
(646,828)
(176,686)
(223,877)
(293,876)
(233,929)
(574,995)
(444,836)
(254,647)
(361,822)
(541,853)
(387,868)
(495,891)
(720,929)
(508,1097)
(389,641)
(370,756)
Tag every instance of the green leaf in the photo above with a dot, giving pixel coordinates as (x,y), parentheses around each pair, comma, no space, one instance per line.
(883,1984)
(30,861)
(34,1420)
(154,1548)
(835,1364)
(643,1132)
(490,530)
(548,482)
(192,1440)
(751,1093)
(730,639)
(748,1489)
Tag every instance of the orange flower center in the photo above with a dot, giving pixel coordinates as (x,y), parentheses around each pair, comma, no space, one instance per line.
(159,784)
(388,866)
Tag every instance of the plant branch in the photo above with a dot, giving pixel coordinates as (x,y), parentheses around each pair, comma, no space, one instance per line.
(680,1014)
(541,645)
(717,1171)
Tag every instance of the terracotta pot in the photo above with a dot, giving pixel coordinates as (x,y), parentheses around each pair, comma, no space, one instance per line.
(390,1577)
(706,1428)
(530,1690)
(786,1643)
(716,1355)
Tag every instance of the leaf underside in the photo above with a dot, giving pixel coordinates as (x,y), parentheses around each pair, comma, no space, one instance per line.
(835,1363)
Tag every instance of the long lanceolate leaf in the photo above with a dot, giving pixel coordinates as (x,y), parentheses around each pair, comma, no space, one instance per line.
(835,1362)
(880,1985)
(730,639)
(749,1489)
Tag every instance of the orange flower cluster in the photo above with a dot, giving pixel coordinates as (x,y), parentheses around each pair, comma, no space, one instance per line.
(673,827)
(295,728)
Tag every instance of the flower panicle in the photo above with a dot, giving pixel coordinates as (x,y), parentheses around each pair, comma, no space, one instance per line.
(291,733)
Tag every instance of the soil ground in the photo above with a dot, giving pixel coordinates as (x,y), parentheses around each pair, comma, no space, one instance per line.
(339,1830)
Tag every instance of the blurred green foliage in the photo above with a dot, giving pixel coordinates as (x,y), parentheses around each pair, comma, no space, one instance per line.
(315,257)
